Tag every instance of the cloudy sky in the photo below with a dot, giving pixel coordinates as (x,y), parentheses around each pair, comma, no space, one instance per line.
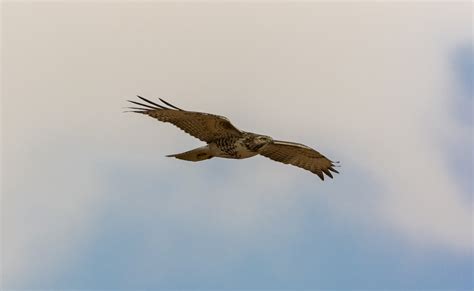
(90,202)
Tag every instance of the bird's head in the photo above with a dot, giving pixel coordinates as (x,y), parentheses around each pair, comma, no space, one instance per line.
(261,140)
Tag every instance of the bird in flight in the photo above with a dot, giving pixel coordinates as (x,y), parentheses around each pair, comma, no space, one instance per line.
(224,140)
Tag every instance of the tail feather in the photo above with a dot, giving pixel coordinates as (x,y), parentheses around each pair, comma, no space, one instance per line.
(195,155)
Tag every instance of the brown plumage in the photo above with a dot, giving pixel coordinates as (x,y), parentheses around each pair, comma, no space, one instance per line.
(226,141)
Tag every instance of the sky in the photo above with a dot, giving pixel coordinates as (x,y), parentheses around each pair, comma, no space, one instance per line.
(89,200)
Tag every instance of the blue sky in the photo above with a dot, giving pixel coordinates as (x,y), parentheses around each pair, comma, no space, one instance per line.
(90,202)
(463,64)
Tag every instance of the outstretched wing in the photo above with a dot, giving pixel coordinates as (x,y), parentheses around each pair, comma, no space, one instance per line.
(204,126)
(299,155)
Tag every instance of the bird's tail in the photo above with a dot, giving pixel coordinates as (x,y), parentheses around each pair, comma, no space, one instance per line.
(195,155)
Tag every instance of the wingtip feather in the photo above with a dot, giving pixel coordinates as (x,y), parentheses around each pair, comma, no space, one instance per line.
(333,170)
(320,175)
(151,102)
(170,105)
(326,171)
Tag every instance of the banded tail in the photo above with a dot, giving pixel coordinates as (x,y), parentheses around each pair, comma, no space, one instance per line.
(195,155)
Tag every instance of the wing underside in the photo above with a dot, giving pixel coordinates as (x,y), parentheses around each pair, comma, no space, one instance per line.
(204,126)
(300,156)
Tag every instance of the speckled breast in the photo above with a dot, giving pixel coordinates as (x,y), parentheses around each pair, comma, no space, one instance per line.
(231,149)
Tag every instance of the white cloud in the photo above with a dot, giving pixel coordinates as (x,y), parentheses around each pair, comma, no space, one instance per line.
(364,84)
(49,202)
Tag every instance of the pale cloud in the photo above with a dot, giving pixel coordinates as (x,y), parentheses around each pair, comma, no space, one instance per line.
(364,83)
(48,206)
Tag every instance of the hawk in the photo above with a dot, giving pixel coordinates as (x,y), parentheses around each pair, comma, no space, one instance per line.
(224,140)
